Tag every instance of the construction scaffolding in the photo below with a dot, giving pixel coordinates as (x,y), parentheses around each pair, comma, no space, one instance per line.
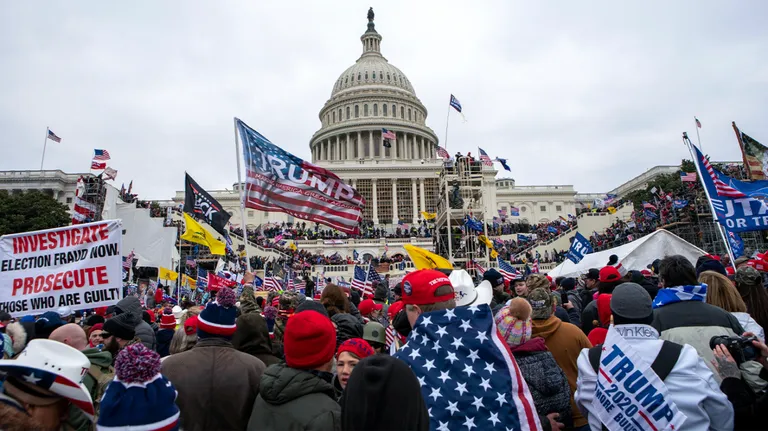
(460,198)
(91,198)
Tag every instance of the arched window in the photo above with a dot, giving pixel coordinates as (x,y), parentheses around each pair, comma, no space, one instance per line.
(375,110)
(334,116)
(365,110)
(402,112)
(346,79)
(353,78)
(358,76)
(374,75)
(388,77)
(347,112)
(384,107)
(366,75)
(357,111)
(409,114)
(394,110)
(381,75)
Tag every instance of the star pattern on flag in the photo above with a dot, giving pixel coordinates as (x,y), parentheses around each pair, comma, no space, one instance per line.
(468,382)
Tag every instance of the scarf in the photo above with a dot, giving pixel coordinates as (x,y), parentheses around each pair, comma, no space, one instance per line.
(670,295)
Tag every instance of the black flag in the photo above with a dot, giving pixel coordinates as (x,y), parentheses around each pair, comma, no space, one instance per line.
(197,201)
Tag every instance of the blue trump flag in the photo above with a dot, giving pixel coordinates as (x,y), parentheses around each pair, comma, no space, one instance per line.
(680,203)
(551,229)
(736,243)
(473,224)
(740,206)
(580,247)
(503,163)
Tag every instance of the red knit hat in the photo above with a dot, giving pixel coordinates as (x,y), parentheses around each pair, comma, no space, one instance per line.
(167,321)
(309,340)
(419,287)
(367,306)
(609,274)
(357,347)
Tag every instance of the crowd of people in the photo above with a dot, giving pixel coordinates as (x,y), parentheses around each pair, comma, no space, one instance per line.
(335,358)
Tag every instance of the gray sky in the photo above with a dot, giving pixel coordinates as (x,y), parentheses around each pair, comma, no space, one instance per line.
(589,93)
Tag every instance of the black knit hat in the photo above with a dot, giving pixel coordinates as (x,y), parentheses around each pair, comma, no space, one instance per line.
(494,277)
(121,326)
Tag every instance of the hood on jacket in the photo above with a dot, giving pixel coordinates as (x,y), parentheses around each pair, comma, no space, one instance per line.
(347,326)
(252,335)
(382,293)
(18,335)
(545,328)
(281,384)
(100,358)
(535,344)
(130,305)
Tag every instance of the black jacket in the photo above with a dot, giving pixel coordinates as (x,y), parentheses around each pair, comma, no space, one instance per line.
(291,399)
(164,337)
(252,337)
(748,408)
(347,326)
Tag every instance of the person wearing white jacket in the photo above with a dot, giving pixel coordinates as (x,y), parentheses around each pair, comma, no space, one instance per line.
(690,383)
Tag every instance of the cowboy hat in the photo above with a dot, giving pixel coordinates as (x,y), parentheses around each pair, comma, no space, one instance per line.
(465,291)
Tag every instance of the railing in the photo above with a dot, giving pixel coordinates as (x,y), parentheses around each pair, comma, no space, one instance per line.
(362,241)
(335,269)
(260,248)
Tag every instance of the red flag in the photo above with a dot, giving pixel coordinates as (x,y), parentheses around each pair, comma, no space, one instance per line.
(98,165)
(215,282)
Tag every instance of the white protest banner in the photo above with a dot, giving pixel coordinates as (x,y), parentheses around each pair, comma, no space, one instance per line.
(629,395)
(77,266)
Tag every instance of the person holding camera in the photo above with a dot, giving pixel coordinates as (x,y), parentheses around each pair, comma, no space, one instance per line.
(748,406)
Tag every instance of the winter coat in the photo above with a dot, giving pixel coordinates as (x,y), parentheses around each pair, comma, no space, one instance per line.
(164,337)
(356,313)
(131,305)
(217,385)
(149,301)
(252,337)
(347,326)
(586,296)
(248,301)
(695,323)
(546,381)
(588,317)
(575,300)
(565,341)
(291,400)
(95,380)
(499,298)
(691,385)
(748,408)
(569,316)
(749,324)
(13,417)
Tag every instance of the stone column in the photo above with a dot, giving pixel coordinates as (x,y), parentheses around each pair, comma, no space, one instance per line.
(348,143)
(395,218)
(413,201)
(359,146)
(370,142)
(375,201)
(342,155)
(395,151)
(422,200)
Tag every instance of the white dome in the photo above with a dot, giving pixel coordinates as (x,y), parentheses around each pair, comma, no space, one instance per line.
(372,70)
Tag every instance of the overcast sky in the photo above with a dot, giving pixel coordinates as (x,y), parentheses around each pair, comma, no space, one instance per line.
(589,93)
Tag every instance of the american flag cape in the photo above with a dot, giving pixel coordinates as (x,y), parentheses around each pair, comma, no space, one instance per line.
(468,377)
(278,181)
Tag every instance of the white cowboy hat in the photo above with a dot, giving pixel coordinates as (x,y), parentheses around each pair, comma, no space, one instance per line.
(465,291)
(55,367)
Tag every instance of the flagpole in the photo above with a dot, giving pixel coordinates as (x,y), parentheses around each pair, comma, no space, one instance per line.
(242,201)
(45,144)
(696,123)
(709,199)
(178,276)
(447,117)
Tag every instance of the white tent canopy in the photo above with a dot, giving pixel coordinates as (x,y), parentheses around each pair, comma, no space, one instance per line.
(636,255)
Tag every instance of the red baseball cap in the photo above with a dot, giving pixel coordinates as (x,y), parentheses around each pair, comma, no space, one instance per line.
(394,308)
(367,306)
(419,287)
(609,274)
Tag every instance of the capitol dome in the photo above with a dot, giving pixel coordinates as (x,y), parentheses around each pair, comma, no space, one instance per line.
(372,96)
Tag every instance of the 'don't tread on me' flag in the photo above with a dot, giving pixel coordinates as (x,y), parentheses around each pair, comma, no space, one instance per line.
(198,201)
(278,181)
(468,377)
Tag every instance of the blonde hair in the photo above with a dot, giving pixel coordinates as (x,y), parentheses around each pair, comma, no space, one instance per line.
(722,293)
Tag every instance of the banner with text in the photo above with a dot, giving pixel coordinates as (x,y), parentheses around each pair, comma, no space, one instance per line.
(580,247)
(76,266)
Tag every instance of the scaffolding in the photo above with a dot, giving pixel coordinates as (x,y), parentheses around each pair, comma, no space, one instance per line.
(93,193)
(460,196)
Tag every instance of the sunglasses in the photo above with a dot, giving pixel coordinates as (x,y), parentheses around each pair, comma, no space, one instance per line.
(105,334)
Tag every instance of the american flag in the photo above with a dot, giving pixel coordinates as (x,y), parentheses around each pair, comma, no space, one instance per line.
(52,136)
(503,213)
(722,188)
(191,262)
(98,165)
(484,157)
(649,206)
(202,279)
(698,123)
(476,266)
(278,181)
(83,211)
(271,283)
(535,268)
(442,152)
(388,134)
(128,262)
(100,154)
(468,377)
(361,282)
(390,335)
(508,271)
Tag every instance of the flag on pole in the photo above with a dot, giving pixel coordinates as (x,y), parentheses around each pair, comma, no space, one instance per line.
(387,134)
(455,103)
(110,174)
(278,181)
(503,163)
(442,152)
(101,154)
(535,268)
(52,136)
(476,266)
(202,278)
(166,274)
(698,123)
(688,177)
(271,283)
(508,271)
(361,283)
(197,234)
(484,157)
(756,156)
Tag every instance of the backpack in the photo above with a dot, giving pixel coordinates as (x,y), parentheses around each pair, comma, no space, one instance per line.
(101,381)
(663,364)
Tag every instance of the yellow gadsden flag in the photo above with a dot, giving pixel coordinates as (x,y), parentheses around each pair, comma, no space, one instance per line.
(199,235)
(428,216)
(423,259)
(166,274)
(191,282)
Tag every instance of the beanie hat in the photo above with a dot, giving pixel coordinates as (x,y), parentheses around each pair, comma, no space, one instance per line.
(288,301)
(494,277)
(514,322)
(190,325)
(357,347)
(593,274)
(96,327)
(167,321)
(609,274)
(139,387)
(536,281)
(122,326)
(309,340)
(710,265)
(568,283)
(631,301)
(218,317)
(94,319)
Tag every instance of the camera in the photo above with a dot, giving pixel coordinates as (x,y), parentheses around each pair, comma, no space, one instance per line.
(740,348)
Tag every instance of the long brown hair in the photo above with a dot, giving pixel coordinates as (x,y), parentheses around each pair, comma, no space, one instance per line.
(334,300)
(722,293)
(756,298)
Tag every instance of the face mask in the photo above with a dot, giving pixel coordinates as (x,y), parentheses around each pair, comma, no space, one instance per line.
(401,323)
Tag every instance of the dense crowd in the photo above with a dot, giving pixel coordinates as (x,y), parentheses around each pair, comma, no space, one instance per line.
(328,359)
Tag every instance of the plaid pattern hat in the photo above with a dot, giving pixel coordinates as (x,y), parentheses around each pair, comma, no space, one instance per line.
(541,303)
(139,387)
(514,322)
